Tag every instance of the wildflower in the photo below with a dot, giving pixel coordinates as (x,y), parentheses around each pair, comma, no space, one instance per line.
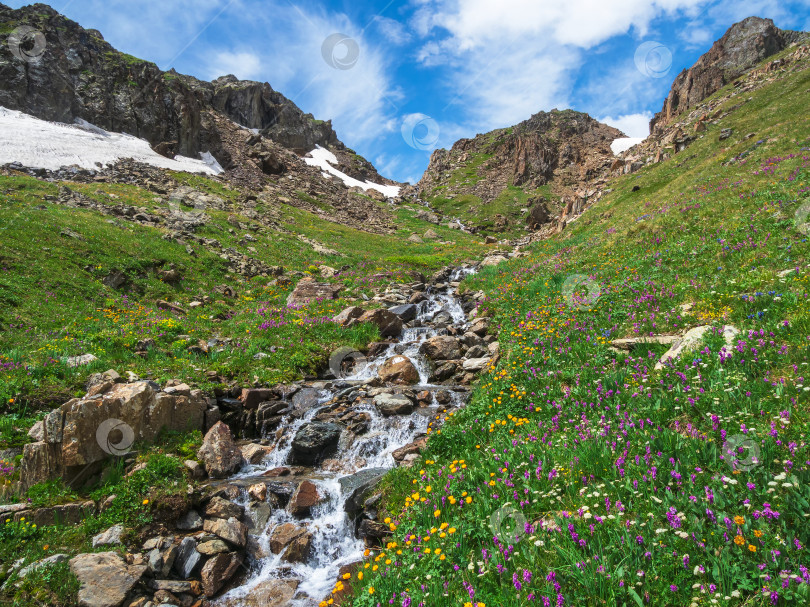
(739,520)
(739,540)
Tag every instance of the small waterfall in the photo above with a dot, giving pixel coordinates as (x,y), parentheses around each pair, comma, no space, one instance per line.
(333,541)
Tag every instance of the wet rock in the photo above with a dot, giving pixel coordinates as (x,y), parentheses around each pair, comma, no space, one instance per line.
(398,370)
(410,449)
(219,453)
(393,404)
(358,486)
(218,571)
(298,550)
(389,324)
(187,558)
(305,398)
(443,397)
(258,491)
(443,372)
(372,530)
(282,492)
(306,496)
(313,442)
(257,515)
(230,530)
(283,535)
(222,508)
(105,579)
(276,472)
(110,537)
(252,397)
(406,312)
(441,347)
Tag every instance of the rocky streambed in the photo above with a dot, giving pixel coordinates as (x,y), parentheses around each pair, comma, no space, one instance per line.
(287,498)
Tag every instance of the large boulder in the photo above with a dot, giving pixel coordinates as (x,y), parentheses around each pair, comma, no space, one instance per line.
(231,530)
(219,452)
(398,370)
(358,486)
(407,312)
(310,290)
(305,498)
(393,404)
(81,433)
(313,442)
(283,535)
(390,324)
(104,578)
(349,316)
(218,571)
(441,347)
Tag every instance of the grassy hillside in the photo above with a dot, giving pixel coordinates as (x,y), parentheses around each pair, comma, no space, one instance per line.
(54,303)
(579,474)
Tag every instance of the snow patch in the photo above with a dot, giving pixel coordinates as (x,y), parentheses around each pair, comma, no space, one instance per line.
(624,143)
(326,160)
(47,145)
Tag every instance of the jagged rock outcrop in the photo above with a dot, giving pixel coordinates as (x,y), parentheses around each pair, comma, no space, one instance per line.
(744,45)
(564,149)
(81,76)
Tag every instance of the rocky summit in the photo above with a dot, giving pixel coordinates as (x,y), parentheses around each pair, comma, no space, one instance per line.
(239,367)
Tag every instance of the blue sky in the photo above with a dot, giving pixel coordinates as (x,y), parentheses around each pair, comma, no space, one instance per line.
(407,77)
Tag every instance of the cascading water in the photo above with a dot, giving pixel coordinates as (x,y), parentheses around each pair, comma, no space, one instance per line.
(333,541)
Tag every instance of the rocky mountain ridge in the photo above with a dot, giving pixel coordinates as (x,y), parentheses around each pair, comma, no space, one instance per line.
(744,45)
(560,151)
(81,76)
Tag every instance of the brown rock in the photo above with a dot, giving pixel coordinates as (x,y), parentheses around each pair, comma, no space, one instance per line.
(305,497)
(218,570)
(441,347)
(283,535)
(219,453)
(222,508)
(230,530)
(390,324)
(398,370)
(309,290)
(349,316)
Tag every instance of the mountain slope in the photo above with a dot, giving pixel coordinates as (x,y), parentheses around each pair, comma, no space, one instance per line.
(491,180)
(81,76)
(744,45)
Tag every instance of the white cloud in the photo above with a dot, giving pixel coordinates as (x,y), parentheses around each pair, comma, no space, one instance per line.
(513,58)
(393,31)
(244,65)
(632,125)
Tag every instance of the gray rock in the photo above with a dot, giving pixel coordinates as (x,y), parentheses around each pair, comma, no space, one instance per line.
(231,530)
(105,579)
(110,537)
(219,452)
(407,312)
(187,558)
(190,521)
(358,486)
(313,442)
(393,404)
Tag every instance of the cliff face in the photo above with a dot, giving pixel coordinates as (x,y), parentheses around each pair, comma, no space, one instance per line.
(558,152)
(743,46)
(80,75)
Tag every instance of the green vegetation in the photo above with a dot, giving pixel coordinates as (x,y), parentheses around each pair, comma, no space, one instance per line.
(582,474)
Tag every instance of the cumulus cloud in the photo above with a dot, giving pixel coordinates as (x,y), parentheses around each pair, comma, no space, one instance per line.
(632,125)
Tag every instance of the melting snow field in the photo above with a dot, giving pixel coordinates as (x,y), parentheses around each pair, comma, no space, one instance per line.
(41,144)
(624,143)
(326,160)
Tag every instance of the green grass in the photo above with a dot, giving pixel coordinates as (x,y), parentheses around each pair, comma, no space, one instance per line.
(604,479)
